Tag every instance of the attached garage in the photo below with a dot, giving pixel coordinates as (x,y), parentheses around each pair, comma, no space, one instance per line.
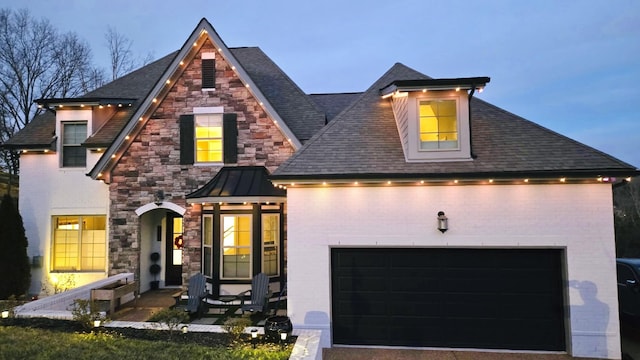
(457,298)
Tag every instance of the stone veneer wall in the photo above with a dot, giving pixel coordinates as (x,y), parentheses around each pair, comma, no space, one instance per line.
(152,162)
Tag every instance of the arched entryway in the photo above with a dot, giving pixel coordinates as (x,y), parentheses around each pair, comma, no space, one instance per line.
(160,233)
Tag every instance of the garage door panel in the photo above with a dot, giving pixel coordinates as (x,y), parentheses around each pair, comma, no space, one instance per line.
(484,298)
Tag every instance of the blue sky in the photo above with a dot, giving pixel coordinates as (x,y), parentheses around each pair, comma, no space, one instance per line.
(570,66)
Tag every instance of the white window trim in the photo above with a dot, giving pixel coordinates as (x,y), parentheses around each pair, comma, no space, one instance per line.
(463,152)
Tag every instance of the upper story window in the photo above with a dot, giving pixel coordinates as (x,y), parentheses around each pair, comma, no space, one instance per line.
(438,124)
(73,153)
(208,71)
(209,140)
(208,137)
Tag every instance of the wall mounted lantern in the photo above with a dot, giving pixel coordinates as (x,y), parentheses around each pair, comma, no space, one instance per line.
(185,329)
(158,197)
(443,222)
(97,323)
(5,314)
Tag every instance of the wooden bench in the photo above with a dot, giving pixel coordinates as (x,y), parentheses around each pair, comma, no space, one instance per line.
(114,292)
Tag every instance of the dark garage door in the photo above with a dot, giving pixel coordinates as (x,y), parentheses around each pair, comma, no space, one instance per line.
(459,298)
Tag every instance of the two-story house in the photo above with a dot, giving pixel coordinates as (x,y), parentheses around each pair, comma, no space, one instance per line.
(412,214)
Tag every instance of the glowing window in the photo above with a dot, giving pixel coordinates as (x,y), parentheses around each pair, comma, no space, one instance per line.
(209,143)
(236,246)
(79,243)
(438,124)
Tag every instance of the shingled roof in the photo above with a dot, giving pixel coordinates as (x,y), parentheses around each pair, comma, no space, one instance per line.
(135,85)
(364,143)
(333,104)
(300,113)
(40,133)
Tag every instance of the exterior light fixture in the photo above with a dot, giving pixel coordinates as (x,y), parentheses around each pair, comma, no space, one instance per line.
(5,314)
(283,338)
(158,197)
(97,323)
(254,337)
(185,329)
(443,222)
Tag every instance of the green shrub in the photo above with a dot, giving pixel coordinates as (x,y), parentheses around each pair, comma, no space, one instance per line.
(86,312)
(14,262)
(235,327)
(171,318)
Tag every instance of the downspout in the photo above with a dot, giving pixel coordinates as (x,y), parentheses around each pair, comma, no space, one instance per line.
(473,90)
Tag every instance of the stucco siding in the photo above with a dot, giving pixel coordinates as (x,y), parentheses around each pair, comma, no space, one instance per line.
(48,190)
(576,218)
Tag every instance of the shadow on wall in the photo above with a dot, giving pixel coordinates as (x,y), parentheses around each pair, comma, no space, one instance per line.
(316,318)
(592,317)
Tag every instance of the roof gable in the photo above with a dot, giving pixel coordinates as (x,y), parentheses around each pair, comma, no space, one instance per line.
(364,143)
(147,105)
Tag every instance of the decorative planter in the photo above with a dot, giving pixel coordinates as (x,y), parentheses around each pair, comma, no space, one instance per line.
(275,325)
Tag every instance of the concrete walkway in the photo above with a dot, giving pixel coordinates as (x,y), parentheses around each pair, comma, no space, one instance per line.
(338,353)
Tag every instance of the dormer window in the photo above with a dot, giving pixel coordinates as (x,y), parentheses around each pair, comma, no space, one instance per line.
(433,117)
(438,124)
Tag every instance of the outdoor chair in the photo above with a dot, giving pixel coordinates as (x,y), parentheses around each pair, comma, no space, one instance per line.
(259,295)
(197,292)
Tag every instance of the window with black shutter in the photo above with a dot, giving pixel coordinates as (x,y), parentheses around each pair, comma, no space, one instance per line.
(208,138)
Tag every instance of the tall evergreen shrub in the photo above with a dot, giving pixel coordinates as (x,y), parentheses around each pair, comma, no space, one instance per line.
(15,270)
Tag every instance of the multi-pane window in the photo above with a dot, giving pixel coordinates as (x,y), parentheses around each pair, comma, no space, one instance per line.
(79,243)
(73,153)
(270,240)
(236,246)
(209,145)
(438,124)
(207,244)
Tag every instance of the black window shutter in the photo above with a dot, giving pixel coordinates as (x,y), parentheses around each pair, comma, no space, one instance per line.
(230,128)
(187,139)
(208,73)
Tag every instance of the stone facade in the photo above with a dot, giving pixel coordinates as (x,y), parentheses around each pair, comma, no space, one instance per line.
(152,162)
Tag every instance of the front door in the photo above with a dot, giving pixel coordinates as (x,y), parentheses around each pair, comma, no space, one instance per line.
(173,248)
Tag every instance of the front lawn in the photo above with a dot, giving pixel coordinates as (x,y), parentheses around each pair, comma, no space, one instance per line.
(64,341)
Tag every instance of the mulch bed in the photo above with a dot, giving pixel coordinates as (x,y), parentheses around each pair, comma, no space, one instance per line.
(200,338)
